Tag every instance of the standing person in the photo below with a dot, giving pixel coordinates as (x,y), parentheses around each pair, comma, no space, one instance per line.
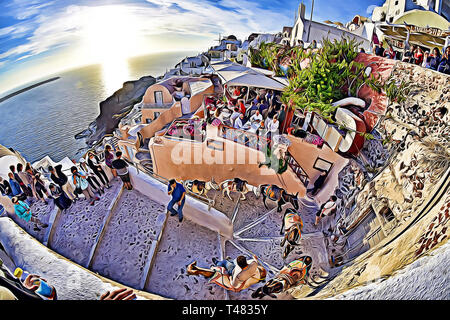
(241,107)
(326,209)
(426,60)
(319,182)
(418,56)
(252,107)
(121,167)
(22,176)
(272,127)
(93,182)
(37,185)
(80,181)
(94,164)
(390,53)
(23,211)
(435,58)
(61,200)
(379,50)
(109,157)
(178,196)
(281,117)
(5,188)
(408,56)
(444,65)
(15,186)
(59,178)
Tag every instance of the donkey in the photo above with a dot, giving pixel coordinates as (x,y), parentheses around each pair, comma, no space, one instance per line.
(294,274)
(275,193)
(292,227)
(238,185)
(200,188)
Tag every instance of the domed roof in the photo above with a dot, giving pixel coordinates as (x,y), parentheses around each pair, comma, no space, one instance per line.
(231,37)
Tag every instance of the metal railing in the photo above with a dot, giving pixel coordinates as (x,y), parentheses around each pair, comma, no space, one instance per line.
(248,139)
(297,168)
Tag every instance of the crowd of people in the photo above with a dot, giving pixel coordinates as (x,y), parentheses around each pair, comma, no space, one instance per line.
(434,59)
(262,115)
(26,185)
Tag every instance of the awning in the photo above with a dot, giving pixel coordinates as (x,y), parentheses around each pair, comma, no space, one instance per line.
(421,36)
(256,81)
(199,86)
(239,75)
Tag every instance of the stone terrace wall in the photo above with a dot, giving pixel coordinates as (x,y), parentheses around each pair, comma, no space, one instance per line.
(415,166)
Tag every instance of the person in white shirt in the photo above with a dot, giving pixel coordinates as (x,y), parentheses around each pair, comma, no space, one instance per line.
(257,117)
(234,115)
(272,126)
(245,271)
(326,209)
(239,122)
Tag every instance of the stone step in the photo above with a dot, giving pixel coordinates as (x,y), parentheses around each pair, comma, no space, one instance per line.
(78,228)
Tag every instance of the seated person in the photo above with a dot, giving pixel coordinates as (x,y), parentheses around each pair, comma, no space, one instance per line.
(239,122)
(244,271)
(261,107)
(234,115)
(252,107)
(257,117)
(297,132)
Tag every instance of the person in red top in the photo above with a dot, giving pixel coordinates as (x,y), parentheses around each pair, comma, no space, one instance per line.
(418,56)
(241,107)
(390,53)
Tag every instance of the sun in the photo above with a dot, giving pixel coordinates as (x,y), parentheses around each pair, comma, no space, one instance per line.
(110,37)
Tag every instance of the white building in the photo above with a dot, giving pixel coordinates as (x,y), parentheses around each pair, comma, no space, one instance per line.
(307,31)
(392,10)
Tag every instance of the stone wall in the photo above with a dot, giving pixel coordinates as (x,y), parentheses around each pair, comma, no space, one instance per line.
(408,177)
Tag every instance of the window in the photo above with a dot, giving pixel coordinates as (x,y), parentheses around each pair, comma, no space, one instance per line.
(159,98)
(322,164)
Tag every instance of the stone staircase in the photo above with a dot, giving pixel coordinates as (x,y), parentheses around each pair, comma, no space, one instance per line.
(129,238)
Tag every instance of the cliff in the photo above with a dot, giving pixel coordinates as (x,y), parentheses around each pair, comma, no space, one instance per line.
(114,108)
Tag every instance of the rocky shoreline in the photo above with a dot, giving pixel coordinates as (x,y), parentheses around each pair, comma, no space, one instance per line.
(114,108)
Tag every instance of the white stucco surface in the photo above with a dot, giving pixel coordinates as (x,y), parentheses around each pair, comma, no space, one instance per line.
(427,278)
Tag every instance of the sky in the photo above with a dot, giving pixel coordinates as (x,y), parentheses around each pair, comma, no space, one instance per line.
(39,38)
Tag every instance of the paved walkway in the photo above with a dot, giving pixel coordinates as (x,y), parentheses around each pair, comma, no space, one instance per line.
(118,238)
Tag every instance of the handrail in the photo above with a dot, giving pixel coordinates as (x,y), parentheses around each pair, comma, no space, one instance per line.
(249,137)
(302,175)
(161,179)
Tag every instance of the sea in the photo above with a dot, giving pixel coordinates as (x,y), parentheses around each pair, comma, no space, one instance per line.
(44,120)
